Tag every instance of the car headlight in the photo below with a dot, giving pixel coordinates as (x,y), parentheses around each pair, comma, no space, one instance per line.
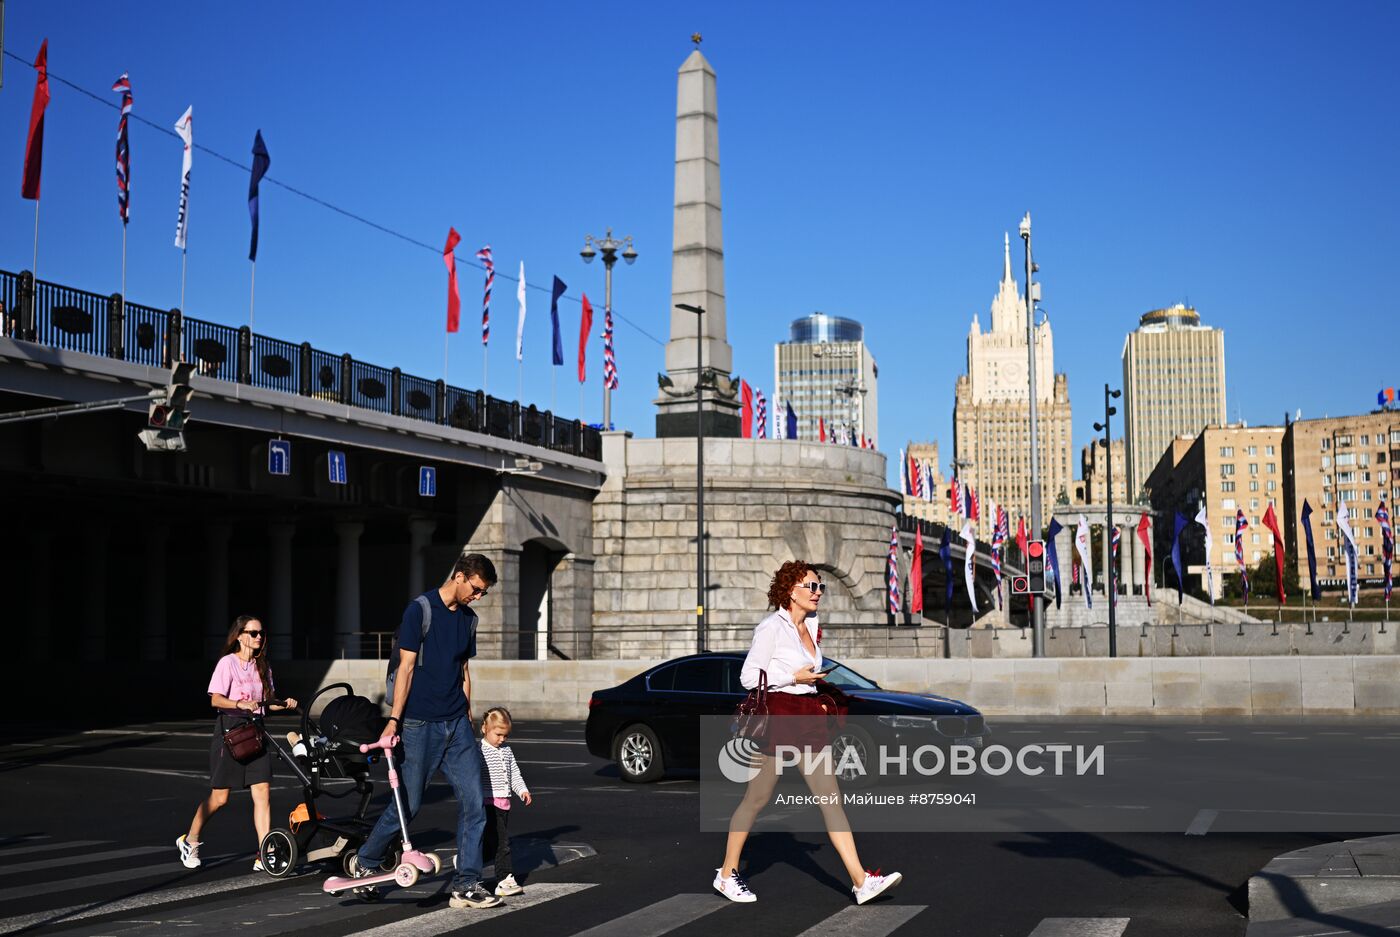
(907,722)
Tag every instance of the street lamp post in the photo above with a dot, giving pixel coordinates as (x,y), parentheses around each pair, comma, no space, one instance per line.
(608,246)
(699,473)
(1037,610)
(1108,411)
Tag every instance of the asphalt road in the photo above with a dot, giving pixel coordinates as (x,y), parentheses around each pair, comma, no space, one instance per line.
(89,820)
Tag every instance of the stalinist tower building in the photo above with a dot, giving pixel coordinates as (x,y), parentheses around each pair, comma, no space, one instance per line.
(991,414)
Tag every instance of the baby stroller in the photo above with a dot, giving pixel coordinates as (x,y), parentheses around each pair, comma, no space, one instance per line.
(326,750)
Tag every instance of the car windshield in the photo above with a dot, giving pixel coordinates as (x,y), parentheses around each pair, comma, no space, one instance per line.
(841,675)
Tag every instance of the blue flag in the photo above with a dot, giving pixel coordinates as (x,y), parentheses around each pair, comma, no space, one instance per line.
(791,423)
(1052,560)
(1181,523)
(260,163)
(1312,555)
(559,289)
(945,552)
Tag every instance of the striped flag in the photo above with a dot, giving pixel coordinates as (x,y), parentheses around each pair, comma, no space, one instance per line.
(1114,542)
(123,85)
(954,498)
(894,570)
(761,404)
(974,504)
(484,255)
(1387,544)
(1240,525)
(918,479)
(609,361)
(1000,531)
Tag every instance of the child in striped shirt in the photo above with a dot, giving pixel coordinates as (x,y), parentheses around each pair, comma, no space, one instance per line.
(502,777)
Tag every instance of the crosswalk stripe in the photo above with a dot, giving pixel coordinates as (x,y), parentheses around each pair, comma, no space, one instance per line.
(37,864)
(1081,927)
(171,868)
(450,919)
(865,921)
(79,912)
(50,847)
(659,918)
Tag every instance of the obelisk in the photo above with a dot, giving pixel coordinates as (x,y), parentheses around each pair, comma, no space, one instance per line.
(697,269)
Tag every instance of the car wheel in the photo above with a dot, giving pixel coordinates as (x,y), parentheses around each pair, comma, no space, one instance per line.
(853,744)
(638,754)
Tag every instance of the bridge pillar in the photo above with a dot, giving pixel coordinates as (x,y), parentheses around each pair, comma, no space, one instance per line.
(279,590)
(216,616)
(154,636)
(572,585)
(94,636)
(347,588)
(420,534)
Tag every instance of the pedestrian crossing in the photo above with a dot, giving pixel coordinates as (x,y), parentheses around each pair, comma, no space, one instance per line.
(164,896)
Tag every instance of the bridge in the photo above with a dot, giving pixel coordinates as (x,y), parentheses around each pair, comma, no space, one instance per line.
(301,497)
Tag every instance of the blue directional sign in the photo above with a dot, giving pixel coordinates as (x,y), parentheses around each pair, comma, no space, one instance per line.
(335,467)
(427,482)
(279,457)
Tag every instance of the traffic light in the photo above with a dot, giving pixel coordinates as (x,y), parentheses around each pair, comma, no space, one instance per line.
(1035,566)
(169,412)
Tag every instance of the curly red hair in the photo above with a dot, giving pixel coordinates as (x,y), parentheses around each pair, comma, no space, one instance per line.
(786,579)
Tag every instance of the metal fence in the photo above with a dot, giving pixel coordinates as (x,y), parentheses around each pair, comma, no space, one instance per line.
(76,320)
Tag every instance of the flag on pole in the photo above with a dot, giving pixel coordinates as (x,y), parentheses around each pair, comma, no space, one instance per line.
(999,533)
(916,573)
(1021,541)
(821,429)
(945,553)
(746,419)
(261,162)
(791,421)
(1344,525)
(185,128)
(1210,553)
(585,326)
(1144,531)
(123,84)
(34,144)
(1181,523)
(1271,522)
(762,416)
(609,358)
(1052,554)
(484,255)
(894,570)
(1313,586)
(955,497)
(558,291)
(906,485)
(1387,544)
(969,538)
(974,511)
(454,302)
(520,322)
(928,479)
(1240,525)
(1081,543)
(916,479)
(1114,540)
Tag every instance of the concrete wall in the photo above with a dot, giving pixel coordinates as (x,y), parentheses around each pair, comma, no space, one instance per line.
(1220,686)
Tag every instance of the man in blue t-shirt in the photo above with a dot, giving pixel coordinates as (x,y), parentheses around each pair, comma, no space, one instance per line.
(431,712)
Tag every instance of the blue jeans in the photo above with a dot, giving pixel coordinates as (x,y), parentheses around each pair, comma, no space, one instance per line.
(450,745)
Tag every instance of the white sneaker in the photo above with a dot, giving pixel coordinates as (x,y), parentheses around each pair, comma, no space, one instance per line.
(257,864)
(733,887)
(874,885)
(508,887)
(189,852)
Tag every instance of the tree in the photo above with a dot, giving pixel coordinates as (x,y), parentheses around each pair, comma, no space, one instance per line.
(1262,579)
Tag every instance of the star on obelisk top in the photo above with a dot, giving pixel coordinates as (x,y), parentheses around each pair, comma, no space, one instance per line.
(696,38)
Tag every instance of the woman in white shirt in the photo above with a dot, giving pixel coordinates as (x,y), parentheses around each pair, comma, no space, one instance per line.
(786,648)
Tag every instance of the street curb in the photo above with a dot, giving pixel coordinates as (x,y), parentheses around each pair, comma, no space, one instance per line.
(1328,877)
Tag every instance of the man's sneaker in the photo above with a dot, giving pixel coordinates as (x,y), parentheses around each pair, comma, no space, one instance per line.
(508,886)
(357,870)
(875,884)
(189,852)
(733,886)
(473,897)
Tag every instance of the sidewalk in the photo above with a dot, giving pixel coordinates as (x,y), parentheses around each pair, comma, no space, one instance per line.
(1349,887)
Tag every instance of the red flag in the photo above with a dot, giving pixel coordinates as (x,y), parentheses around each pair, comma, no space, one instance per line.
(821,429)
(746,393)
(454,302)
(1021,537)
(1142,529)
(34,146)
(585,326)
(1271,522)
(916,573)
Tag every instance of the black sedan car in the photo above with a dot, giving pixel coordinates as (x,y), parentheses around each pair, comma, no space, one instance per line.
(650,724)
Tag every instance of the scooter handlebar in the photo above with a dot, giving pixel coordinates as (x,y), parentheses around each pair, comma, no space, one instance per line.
(386,743)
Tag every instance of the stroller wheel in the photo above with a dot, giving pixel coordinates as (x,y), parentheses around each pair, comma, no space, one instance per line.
(348,862)
(279,852)
(392,859)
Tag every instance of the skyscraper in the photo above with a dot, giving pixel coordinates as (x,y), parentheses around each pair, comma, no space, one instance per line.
(991,412)
(1173,384)
(826,372)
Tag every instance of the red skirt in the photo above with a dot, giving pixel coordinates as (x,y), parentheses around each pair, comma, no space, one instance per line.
(799,720)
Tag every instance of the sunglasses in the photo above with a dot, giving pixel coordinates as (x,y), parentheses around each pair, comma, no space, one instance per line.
(815,587)
(253,634)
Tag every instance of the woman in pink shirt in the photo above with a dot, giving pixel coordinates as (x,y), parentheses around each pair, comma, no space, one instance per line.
(242,683)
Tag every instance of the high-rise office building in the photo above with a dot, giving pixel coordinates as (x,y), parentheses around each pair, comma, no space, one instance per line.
(991,412)
(828,375)
(1173,384)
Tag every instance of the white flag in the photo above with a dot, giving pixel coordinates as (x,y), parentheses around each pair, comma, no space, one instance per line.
(904,486)
(1086,559)
(1210,552)
(185,128)
(1344,525)
(970,542)
(520,325)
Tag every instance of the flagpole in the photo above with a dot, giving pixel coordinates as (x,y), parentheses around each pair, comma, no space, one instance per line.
(485,361)
(184,255)
(519,380)
(445,336)
(553,383)
(252,291)
(123,263)
(34,268)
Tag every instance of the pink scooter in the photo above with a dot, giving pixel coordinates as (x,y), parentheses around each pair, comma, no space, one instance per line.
(413,863)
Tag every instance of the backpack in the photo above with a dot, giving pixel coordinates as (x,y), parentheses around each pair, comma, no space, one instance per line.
(393,672)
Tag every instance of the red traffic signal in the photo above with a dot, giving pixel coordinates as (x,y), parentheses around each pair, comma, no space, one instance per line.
(1036,548)
(159,416)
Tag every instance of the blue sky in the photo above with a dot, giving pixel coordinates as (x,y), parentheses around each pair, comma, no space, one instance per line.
(1236,156)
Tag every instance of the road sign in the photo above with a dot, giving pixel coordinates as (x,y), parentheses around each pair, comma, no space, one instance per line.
(1035,566)
(427,481)
(335,466)
(1020,585)
(279,457)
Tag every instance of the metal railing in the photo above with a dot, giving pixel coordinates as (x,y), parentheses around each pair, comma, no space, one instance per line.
(77,320)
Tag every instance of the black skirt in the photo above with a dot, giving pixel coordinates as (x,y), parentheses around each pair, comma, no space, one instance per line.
(226,772)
